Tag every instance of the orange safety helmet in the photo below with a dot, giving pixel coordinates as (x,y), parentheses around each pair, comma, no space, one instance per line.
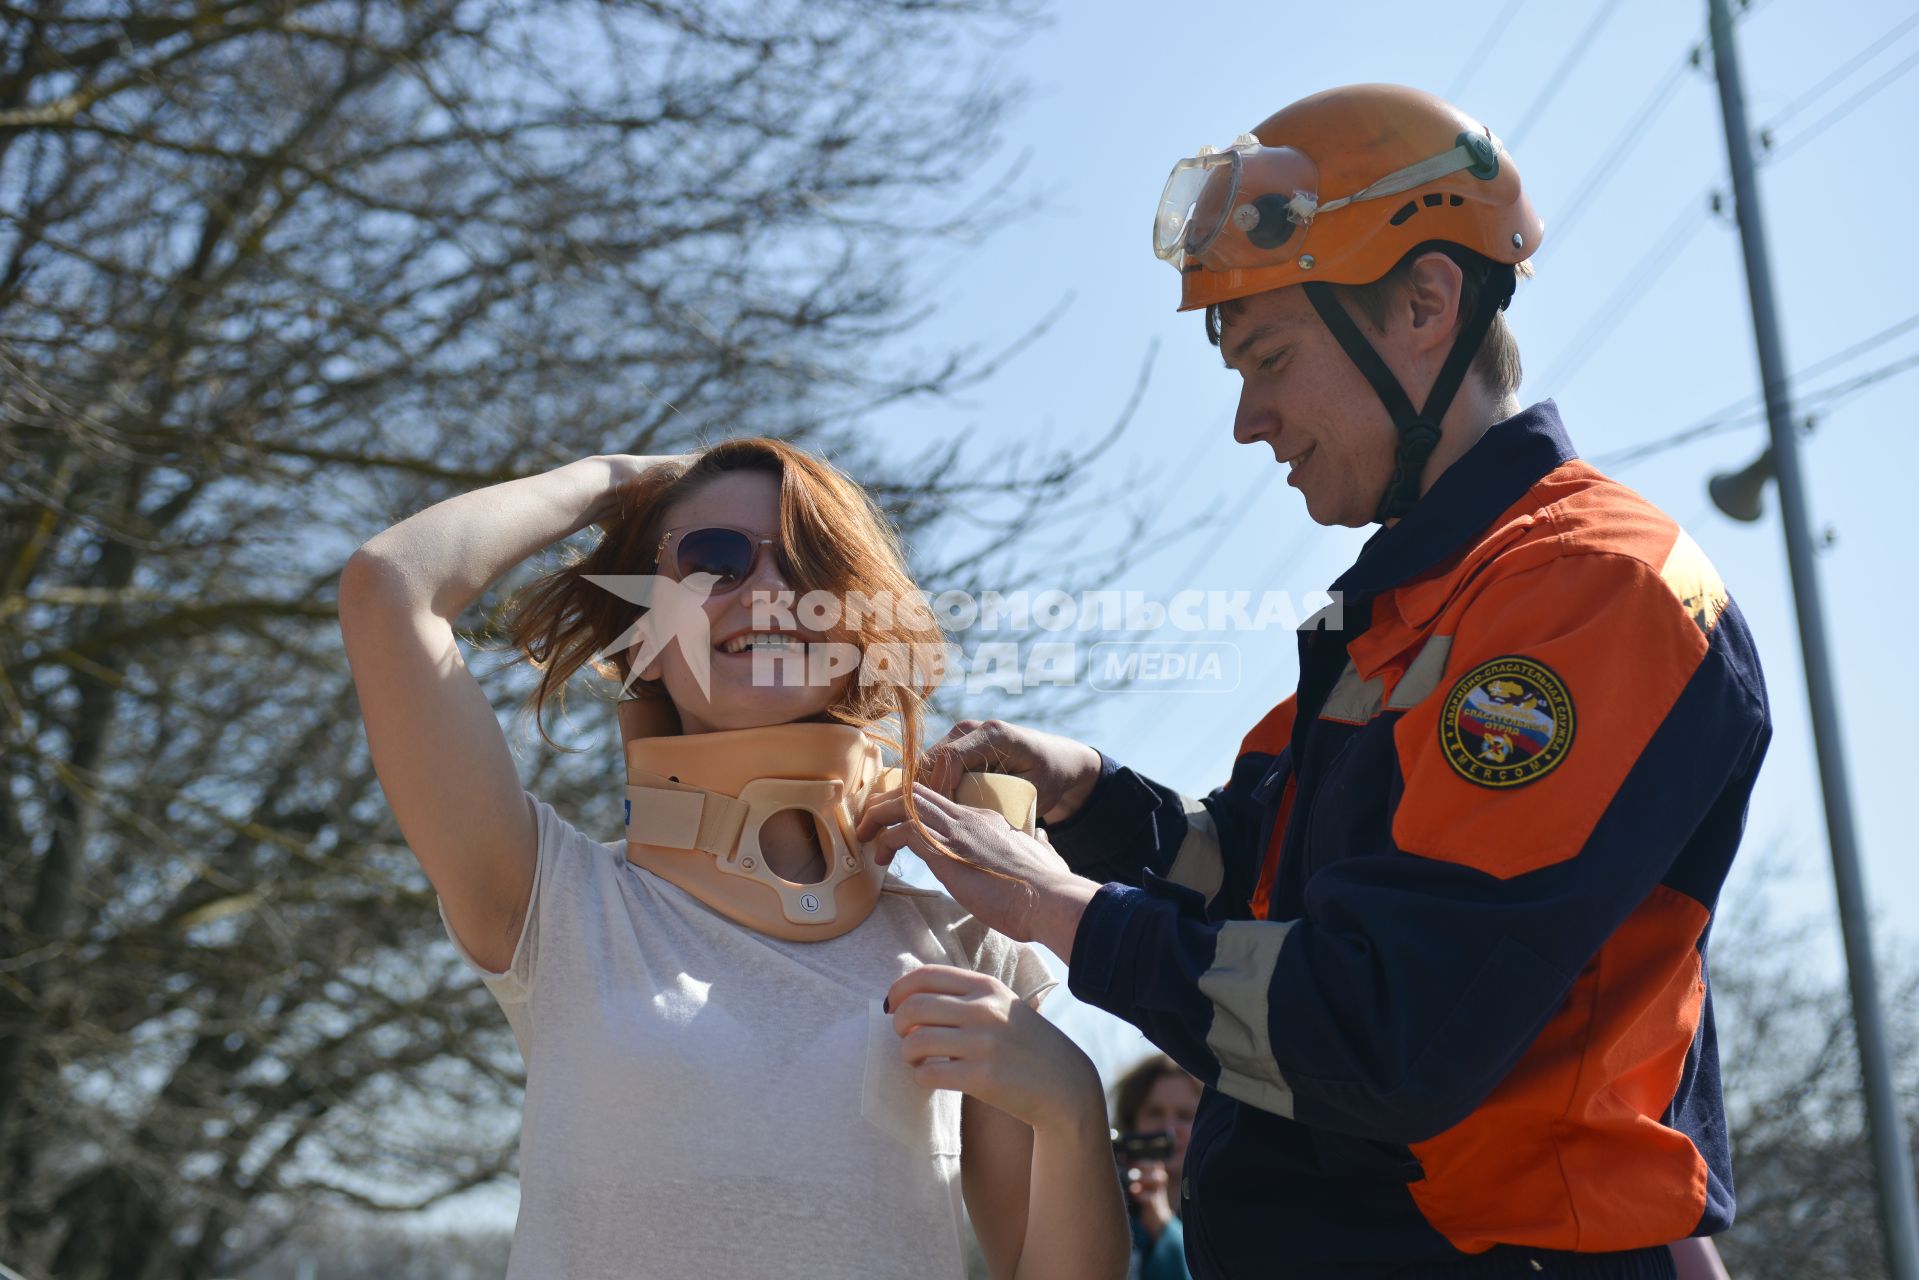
(1336,189)
(1305,196)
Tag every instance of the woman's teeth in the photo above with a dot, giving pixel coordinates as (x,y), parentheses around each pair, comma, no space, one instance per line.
(758,640)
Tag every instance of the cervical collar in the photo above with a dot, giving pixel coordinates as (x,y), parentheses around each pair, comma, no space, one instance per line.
(696,803)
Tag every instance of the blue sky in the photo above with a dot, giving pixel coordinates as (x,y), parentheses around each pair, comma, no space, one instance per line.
(1638,325)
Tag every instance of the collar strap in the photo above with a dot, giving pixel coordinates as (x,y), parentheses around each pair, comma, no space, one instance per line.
(670,814)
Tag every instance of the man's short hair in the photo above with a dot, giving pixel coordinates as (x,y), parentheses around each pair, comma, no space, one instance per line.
(1496,364)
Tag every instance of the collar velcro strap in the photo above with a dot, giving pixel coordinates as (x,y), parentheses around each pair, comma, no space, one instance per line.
(672,815)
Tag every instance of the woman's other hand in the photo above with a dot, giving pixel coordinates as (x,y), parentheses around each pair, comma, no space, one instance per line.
(967,1031)
(1013,882)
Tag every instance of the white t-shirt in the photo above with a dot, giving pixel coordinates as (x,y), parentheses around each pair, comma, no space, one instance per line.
(704,1100)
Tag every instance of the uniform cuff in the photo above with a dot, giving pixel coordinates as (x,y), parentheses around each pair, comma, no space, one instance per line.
(1094,965)
(1116,819)
(1100,969)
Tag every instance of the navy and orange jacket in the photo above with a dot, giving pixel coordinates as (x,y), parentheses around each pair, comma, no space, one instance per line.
(1438,948)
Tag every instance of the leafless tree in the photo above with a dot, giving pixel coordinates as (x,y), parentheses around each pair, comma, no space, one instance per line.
(1804,1178)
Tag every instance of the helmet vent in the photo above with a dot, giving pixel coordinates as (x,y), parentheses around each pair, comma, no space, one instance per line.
(1434,199)
(1406,211)
(1455,201)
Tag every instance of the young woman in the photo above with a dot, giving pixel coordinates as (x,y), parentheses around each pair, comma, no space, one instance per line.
(705,1094)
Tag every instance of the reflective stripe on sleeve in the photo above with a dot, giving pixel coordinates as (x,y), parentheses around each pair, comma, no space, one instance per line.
(1237,984)
(1198,865)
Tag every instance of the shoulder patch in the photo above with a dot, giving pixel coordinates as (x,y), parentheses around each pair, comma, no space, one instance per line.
(1506,723)
(1691,577)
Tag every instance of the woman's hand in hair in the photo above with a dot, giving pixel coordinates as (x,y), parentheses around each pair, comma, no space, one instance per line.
(623,469)
(967,1031)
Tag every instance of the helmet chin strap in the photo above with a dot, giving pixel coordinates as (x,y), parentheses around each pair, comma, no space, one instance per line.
(1418,432)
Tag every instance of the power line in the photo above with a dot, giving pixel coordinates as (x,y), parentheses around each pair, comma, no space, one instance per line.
(1833,396)
(1557,81)
(1867,54)
(1744,409)
(1734,417)
(1620,302)
(1240,510)
(1838,113)
(1858,348)
(1629,293)
(1629,137)
(1478,55)
(1287,553)
(1621,145)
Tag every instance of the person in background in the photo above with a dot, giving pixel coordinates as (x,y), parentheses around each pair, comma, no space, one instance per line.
(1156,1096)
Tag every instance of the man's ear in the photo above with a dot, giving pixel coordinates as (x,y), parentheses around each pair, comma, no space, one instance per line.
(1430,302)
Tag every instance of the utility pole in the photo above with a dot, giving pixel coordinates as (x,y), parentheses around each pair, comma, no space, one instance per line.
(1886,1128)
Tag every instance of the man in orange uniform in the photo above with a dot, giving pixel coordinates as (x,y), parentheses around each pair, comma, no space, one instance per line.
(1438,947)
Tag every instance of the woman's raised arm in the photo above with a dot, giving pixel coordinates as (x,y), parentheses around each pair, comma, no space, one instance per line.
(437,748)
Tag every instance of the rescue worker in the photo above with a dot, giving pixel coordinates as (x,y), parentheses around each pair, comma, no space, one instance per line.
(1437,948)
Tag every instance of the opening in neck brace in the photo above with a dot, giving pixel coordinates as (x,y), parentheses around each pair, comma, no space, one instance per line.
(795,846)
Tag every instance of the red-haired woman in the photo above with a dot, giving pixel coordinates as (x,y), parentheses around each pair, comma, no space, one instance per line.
(711,1091)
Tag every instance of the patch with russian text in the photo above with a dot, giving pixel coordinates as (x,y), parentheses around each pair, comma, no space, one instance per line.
(1506,723)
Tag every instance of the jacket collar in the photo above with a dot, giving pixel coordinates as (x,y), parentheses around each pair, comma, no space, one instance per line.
(1468,496)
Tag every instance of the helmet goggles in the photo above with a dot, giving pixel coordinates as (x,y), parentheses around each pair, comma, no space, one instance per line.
(1231,208)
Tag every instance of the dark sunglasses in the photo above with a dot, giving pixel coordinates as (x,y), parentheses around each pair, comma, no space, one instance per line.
(729,555)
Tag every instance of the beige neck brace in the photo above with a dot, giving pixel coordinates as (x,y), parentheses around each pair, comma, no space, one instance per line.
(696,804)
